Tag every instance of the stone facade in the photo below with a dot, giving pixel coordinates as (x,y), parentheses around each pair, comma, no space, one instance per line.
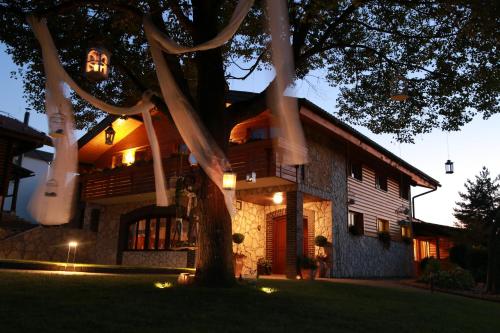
(49,244)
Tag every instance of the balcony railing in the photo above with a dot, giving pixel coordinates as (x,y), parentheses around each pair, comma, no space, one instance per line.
(257,156)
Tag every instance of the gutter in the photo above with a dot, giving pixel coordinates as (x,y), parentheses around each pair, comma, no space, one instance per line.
(418,195)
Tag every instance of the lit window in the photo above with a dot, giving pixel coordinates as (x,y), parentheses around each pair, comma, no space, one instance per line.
(128,156)
(382,225)
(356,170)
(405,231)
(381,182)
(355,223)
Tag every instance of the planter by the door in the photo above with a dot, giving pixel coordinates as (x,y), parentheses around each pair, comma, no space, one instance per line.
(307,273)
(239,262)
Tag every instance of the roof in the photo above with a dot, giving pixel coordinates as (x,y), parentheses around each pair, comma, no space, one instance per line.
(40,155)
(426,229)
(234,96)
(27,137)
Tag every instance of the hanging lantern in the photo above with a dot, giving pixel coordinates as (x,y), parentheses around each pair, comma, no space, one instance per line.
(109,135)
(449,167)
(229,180)
(399,89)
(51,188)
(278,198)
(56,125)
(97,64)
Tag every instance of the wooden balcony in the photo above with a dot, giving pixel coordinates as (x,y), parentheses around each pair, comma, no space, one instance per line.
(257,156)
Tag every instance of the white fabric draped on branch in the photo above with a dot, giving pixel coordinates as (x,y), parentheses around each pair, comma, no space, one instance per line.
(197,138)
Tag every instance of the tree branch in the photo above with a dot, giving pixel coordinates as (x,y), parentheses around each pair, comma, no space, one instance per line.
(183,19)
(250,70)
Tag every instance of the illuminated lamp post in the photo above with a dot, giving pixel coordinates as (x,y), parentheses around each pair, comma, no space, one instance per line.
(109,135)
(71,245)
(97,64)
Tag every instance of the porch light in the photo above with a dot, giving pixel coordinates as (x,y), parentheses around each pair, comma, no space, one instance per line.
(109,135)
(229,180)
(72,244)
(449,167)
(278,198)
(399,89)
(51,188)
(56,124)
(97,64)
(128,156)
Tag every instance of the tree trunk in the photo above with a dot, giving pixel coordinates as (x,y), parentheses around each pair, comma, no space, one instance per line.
(215,263)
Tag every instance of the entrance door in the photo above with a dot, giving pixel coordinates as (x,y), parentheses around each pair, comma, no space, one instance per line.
(279,244)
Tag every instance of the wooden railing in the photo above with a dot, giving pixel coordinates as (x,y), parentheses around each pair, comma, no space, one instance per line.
(257,156)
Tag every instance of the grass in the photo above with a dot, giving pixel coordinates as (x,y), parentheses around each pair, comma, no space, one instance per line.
(124,303)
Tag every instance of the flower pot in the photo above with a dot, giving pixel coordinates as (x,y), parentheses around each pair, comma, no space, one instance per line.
(239,262)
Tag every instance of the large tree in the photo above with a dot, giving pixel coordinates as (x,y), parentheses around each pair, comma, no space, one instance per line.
(444,53)
(478,213)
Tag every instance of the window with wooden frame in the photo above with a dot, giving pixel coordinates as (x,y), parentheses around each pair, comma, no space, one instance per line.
(356,170)
(405,231)
(160,233)
(355,223)
(382,225)
(404,190)
(381,182)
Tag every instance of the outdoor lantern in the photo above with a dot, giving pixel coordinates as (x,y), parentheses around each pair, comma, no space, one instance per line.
(97,64)
(278,198)
(229,180)
(109,135)
(399,89)
(251,177)
(449,167)
(56,124)
(51,188)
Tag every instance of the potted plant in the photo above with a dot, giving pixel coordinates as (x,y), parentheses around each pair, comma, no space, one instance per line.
(354,230)
(321,257)
(385,238)
(239,258)
(264,267)
(307,267)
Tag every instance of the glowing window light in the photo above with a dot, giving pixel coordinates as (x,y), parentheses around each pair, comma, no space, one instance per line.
(278,198)
(229,180)
(163,285)
(128,156)
(268,290)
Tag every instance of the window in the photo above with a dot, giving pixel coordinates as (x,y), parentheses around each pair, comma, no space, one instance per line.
(404,190)
(405,231)
(381,182)
(382,225)
(160,233)
(356,170)
(355,223)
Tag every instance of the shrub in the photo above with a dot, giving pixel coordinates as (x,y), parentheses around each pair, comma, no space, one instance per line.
(264,267)
(430,265)
(320,241)
(473,259)
(238,238)
(457,278)
(385,238)
(306,263)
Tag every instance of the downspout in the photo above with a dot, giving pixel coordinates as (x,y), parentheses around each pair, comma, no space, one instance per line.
(418,195)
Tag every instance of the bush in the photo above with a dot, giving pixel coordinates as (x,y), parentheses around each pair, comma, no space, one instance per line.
(473,259)
(306,263)
(385,238)
(264,267)
(457,278)
(320,241)
(430,265)
(238,238)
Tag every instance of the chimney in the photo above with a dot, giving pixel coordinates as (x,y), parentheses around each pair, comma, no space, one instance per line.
(26,118)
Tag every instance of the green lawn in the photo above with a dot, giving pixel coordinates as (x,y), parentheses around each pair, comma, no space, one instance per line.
(74,303)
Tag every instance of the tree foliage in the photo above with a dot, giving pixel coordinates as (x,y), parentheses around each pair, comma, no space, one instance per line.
(447,51)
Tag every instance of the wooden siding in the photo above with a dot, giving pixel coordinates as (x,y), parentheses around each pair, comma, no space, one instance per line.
(374,203)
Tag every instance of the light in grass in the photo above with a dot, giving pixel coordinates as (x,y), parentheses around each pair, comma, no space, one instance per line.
(268,290)
(163,285)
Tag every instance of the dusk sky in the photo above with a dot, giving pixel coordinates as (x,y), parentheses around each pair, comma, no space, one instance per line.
(476,145)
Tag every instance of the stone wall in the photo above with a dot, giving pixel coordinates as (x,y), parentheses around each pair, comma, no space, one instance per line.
(49,244)
(155,258)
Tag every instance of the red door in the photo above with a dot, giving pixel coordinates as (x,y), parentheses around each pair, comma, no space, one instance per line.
(279,244)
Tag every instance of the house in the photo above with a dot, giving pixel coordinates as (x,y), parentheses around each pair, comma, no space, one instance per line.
(351,190)
(432,240)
